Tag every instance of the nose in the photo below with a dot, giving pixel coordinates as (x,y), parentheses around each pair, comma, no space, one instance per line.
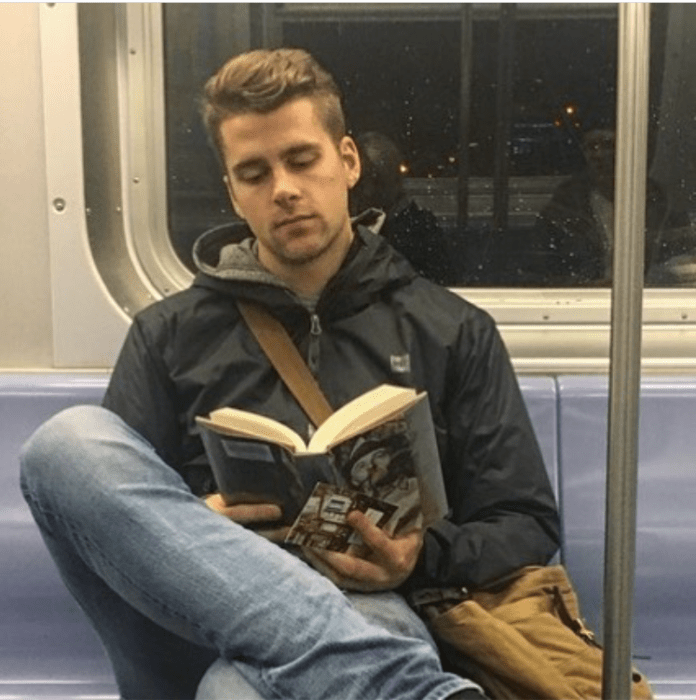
(285,187)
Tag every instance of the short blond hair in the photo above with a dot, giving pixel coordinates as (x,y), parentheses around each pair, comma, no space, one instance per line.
(264,79)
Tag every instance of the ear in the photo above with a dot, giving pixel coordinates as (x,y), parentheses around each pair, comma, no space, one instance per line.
(233,199)
(351,160)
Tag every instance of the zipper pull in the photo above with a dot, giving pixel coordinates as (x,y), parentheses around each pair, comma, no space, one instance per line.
(315,328)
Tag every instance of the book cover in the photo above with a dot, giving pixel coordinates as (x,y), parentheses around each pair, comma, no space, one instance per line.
(255,471)
(385,465)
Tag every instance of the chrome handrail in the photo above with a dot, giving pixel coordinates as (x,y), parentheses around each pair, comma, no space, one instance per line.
(625,349)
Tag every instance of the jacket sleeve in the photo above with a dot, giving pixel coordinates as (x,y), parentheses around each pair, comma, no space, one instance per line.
(141,393)
(503,513)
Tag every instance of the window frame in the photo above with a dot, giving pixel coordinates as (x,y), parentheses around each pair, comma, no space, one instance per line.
(140,38)
(547,331)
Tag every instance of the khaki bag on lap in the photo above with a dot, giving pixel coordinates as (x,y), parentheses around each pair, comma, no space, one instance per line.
(522,638)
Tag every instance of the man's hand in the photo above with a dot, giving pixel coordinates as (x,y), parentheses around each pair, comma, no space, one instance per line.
(250,514)
(390,563)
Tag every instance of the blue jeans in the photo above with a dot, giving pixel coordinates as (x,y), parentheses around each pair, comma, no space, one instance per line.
(174,589)
(225,680)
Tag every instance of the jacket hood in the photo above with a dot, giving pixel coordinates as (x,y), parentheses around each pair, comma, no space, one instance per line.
(227,253)
(226,259)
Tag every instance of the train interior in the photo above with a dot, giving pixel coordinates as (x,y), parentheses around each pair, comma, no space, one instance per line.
(498,113)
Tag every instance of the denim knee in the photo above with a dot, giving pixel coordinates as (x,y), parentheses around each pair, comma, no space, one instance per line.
(41,457)
(69,452)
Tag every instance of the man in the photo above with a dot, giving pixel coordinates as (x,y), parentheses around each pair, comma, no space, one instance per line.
(575,230)
(381,201)
(175,582)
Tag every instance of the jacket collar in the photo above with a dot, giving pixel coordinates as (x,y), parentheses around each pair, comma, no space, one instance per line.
(227,263)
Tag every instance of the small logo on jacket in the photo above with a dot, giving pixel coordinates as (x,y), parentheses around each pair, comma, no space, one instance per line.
(401,364)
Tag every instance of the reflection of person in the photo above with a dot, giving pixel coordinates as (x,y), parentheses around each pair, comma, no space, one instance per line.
(381,202)
(176,586)
(576,228)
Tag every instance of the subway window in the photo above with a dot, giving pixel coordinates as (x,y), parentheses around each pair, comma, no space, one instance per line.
(488,140)
(502,116)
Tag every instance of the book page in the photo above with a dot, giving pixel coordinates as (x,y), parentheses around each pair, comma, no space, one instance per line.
(367,410)
(238,423)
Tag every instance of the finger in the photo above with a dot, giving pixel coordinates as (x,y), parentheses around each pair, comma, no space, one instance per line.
(381,543)
(395,557)
(244,513)
(323,567)
(249,513)
(276,535)
(346,582)
(348,571)
(374,537)
(215,502)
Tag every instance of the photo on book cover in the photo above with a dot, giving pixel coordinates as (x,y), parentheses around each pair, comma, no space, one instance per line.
(322,522)
(378,477)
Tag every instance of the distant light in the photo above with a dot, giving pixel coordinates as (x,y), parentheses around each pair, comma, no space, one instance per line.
(570,109)
(403,168)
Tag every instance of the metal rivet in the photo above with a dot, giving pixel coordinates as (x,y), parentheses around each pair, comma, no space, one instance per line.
(59,204)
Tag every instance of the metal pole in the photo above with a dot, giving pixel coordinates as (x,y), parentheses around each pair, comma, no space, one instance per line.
(503,115)
(465,62)
(626,317)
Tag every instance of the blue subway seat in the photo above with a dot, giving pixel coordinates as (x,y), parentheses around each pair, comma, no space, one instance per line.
(48,648)
(541,399)
(664,610)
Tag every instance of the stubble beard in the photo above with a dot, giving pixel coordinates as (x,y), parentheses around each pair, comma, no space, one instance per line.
(304,257)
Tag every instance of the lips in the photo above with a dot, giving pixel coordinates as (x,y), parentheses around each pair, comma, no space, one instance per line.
(291,221)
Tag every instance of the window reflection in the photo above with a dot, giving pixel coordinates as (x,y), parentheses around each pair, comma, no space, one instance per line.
(576,229)
(528,199)
(379,201)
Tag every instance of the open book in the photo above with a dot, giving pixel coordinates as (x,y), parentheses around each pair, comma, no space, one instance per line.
(376,454)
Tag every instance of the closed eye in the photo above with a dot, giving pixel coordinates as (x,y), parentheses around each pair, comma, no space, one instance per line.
(303,157)
(303,162)
(250,173)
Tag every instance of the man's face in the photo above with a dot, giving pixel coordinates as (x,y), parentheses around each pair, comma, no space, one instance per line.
(599,146)
(289,180)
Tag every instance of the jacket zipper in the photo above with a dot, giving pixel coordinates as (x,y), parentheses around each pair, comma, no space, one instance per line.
(313,352)
(313,358)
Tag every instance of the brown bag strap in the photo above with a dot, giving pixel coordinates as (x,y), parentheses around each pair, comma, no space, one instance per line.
(285,357)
